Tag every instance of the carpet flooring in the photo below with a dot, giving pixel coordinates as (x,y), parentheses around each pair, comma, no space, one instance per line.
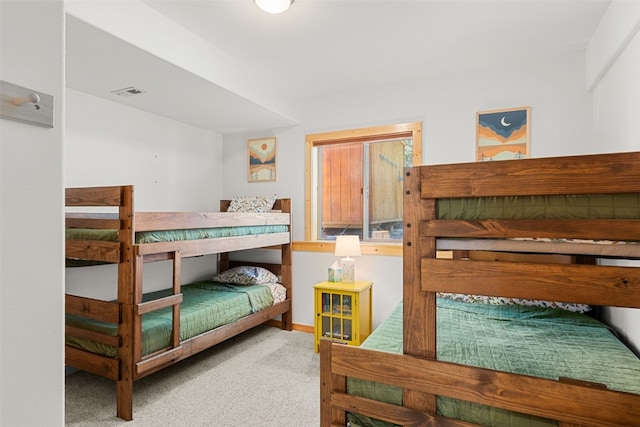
(263,377)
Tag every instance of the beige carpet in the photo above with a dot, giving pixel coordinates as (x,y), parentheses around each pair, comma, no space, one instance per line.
(264,377)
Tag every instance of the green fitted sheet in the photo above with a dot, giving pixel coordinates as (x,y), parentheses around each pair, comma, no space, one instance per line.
(206,305)
(599,206)
(541,342)
(175,235)
(111,235)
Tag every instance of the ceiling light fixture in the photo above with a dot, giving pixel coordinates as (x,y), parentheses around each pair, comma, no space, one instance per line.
(274,6)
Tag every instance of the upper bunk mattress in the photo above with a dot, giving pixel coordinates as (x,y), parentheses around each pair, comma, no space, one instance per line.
(535,341)
(143,237)
(175,235)
(624,206)
(588,206)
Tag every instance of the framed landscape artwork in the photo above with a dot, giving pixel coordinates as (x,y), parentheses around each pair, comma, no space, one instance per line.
(262,160)
(502,134)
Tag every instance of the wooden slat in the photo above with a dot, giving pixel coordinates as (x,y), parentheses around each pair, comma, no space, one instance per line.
(111,340)
(600,229)
(546,398)
(393,413)
(154,221)
(189,248)
(94,250)
(100,365)
(104,311)
(93,196)
(157,304)
(589,174)
(588,284)
(94,221)
(153,363)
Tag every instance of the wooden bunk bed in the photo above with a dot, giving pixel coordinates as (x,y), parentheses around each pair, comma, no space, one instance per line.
(421,378)
(120,322)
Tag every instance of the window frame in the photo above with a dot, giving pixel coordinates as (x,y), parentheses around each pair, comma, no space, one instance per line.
(412,130)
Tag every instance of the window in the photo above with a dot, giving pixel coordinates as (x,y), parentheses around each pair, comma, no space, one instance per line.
(354,182)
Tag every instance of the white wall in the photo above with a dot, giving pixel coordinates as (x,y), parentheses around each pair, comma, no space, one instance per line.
(31,175)
(560,125)
(31,197)
(173,166)
(616,108)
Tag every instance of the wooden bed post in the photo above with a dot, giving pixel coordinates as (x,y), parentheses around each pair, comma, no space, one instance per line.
(287,273)
(419,308)
(330,383)
(124,385)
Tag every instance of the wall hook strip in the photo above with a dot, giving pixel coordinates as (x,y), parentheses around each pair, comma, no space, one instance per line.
(25,105)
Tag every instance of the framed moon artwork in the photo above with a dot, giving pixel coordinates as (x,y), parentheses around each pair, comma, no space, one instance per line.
(502,134)
(262,160)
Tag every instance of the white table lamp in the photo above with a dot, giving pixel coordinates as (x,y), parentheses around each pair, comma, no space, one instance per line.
(348,246)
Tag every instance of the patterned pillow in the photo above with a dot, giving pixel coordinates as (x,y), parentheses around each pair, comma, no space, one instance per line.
(246,275)
(278,291)
(257,204)
(578,308)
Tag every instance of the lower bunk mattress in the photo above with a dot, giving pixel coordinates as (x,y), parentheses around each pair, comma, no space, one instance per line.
(536,341)
(206,305)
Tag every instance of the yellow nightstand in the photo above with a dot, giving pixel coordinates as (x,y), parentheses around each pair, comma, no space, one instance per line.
(343,312)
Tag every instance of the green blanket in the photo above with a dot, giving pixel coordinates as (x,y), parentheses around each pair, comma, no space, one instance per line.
(541,342)
(206,305)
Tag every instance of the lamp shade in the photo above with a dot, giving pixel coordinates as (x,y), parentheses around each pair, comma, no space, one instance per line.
(348,246)
(274,6)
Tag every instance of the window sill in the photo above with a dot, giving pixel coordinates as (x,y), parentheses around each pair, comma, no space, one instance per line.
(368,248)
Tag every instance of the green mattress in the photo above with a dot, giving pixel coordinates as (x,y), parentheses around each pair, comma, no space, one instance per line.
(599,206)
(175,235)
(536,341)
(111,235)
(206,305)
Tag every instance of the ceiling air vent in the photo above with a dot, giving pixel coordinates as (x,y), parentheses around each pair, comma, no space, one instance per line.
(128,91)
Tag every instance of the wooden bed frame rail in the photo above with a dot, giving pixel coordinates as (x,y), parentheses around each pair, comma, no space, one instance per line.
(127,311)
(418,372)
(568,401)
